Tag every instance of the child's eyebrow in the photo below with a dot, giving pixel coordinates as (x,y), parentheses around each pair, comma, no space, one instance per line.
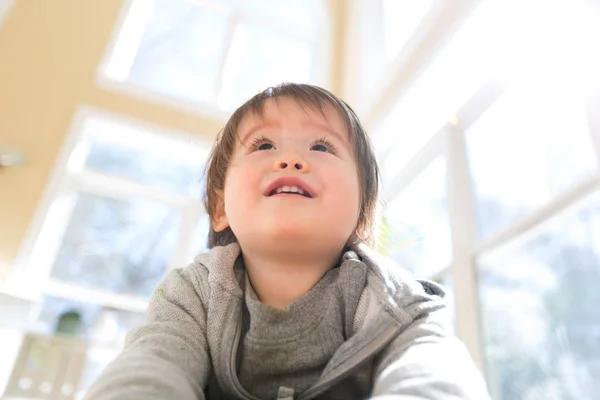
(332,132)
(259,126)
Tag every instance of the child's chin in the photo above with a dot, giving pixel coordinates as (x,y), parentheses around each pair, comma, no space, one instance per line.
(289,232)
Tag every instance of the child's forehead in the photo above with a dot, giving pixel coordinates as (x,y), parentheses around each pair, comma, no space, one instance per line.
(283,111)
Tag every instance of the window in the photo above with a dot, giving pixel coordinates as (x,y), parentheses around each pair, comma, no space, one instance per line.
(546,289)
(482,50)
(124,209)
(122,246)
(516,111)
(130,153)
(218,53)
(5,6)
(127,208)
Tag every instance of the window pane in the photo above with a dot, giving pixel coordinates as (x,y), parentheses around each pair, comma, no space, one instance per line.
(260,57)
(119,246)
(201,236)
(440,90)
(129,152)
(304,15)
(179,51)
(526,148)
(540,311)
(416,231)
(448,284)
(483,49)
(400,19)
(5,6)
(99,326)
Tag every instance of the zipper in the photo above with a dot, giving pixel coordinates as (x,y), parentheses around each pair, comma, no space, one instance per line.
(354,361)
(334,376)
(232,363)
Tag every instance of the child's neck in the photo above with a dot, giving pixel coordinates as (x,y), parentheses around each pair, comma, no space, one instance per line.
(279,282)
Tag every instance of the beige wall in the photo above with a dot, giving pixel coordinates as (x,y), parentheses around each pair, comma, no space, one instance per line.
(49,53)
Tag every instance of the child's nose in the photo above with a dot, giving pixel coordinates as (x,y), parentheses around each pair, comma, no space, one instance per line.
(284,165)
(292,163)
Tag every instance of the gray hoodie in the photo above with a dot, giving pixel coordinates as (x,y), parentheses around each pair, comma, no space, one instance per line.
(398,345)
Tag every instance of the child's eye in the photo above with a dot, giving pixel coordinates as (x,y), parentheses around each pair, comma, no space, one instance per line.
(261,143)
(319,147)
(323,145)
(265,146)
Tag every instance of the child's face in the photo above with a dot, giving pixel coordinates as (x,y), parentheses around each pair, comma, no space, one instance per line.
(289,141)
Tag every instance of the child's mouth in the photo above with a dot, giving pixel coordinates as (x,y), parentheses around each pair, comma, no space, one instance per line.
(289,190)
(290,186)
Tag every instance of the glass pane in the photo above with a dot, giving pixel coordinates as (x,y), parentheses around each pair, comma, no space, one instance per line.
(440,90)
(201,236)
(448,284)
(119,246)
(307,16)
(179,51)
(5,6)
(129,152)
(103,328)
(539,309)
(484,49)
(400,19)
(526,148)
(416,229)
(260,57)
(98,324)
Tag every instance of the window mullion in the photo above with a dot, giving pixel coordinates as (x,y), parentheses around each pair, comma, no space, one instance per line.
(461,206)
(276,25)
(126,40)
(234,20)
(592,108)
(352,53)
(185,244)
(39,263)
(121,189)
(85,294)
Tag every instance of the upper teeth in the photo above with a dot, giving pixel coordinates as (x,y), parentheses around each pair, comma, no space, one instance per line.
(289,189)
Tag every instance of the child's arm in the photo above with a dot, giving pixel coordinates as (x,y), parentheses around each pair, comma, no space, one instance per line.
(167,357)
(427,362)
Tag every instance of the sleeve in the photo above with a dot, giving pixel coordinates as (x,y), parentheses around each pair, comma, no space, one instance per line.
(166,357)
(427,362)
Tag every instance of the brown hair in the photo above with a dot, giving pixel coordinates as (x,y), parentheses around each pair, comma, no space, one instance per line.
(306,96)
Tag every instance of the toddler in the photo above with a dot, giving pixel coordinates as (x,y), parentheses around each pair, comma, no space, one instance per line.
(291,302)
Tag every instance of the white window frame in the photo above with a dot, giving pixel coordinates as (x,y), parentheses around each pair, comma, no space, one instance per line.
(31,276)
(467,247)
(320,74)
(5,6)
(450,141)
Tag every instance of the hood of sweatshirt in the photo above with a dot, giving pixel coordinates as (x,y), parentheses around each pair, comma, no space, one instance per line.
(386,300)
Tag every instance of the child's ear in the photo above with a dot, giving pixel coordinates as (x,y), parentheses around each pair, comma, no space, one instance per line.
(219,219)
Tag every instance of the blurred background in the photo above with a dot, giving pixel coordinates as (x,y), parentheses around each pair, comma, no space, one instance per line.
(485,115)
